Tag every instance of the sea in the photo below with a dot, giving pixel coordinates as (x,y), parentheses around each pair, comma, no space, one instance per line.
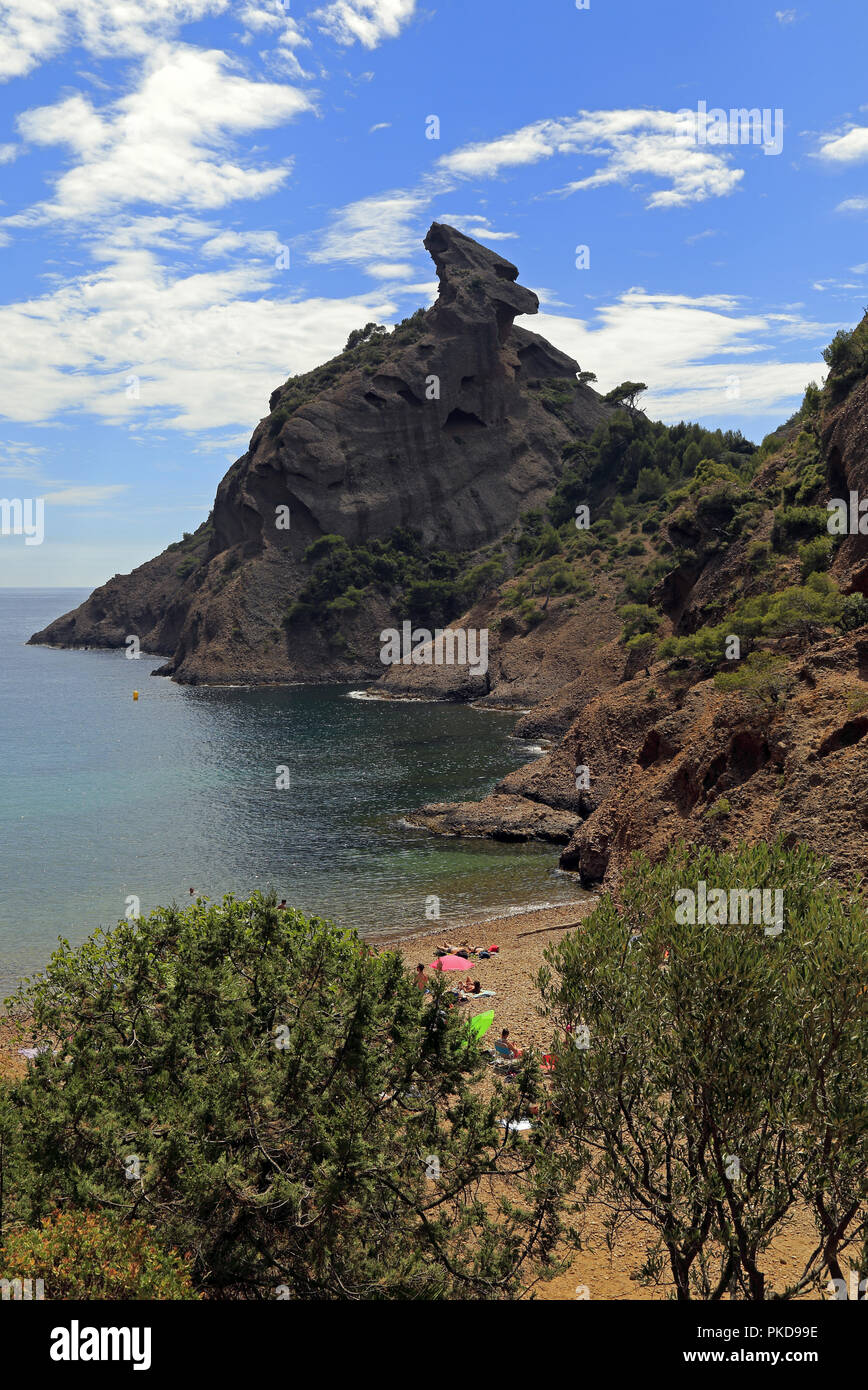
(111,805)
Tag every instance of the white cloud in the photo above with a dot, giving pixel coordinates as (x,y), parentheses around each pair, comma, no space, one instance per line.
(381,125)
(667,341)
(850,148)
(32,31)
(8,153)
(272,17)
(853,205)
(86,495)
(367,22)
(165,142)
(363,229)
(138,344)
(259,243)
(390,270)
(631,145)
(786,16)
(20,459)
(473,224)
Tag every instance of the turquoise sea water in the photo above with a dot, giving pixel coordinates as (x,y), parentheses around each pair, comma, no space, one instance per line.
(102,798)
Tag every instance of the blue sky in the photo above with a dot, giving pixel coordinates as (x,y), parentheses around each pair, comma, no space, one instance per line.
(200,198)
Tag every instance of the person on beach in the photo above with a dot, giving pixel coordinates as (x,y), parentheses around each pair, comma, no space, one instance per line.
(421,978)
(467,991)
(504,1038)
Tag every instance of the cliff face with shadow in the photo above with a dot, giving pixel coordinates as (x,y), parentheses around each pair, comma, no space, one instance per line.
(441,427)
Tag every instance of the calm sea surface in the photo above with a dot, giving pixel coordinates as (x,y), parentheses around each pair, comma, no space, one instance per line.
(103,797)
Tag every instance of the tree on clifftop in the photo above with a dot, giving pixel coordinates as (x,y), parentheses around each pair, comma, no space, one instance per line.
(626,394)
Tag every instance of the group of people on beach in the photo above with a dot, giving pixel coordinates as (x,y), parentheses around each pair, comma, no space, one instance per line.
(466,950)
(470,989)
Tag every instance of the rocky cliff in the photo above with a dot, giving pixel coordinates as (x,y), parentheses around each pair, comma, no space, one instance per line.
(432,473)
(442,426)
(713,744)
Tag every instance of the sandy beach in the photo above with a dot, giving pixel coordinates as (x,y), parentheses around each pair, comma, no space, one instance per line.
(522,939)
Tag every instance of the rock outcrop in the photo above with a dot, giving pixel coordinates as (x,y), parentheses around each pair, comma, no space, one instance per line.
(669,763)
(845,444)
(439,426)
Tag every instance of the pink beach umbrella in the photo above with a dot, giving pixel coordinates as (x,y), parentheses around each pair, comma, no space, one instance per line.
(451,963)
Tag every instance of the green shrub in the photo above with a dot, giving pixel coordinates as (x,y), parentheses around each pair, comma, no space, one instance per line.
(761,678)
(324,547)
(857,701)
(759,555)
(854,612)
(793,522)
(638,618)
(347,602)
(91,1256)
(816,555)
(284,1089)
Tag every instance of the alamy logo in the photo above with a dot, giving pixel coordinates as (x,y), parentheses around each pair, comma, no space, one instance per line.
(23,517)
(717,908)
(739,125)
(77,1343)
(443,647)
(847,519)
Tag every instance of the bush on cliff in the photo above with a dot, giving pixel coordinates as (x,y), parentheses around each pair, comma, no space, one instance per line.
(266,1092)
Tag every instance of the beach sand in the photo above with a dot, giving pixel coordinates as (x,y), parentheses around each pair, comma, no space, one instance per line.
(522,939)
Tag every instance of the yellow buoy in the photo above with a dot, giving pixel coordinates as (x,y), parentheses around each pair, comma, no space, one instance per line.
(135,694)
